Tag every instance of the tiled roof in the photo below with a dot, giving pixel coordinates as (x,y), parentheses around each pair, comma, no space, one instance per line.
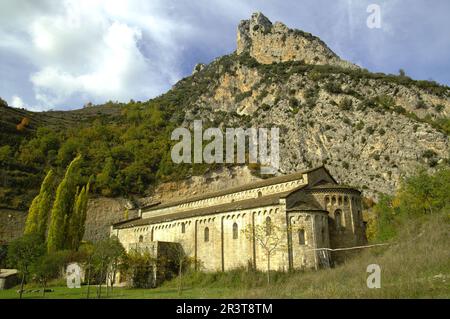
(228,207)
(258,184)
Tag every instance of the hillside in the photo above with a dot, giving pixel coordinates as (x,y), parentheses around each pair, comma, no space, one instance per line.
(370,129)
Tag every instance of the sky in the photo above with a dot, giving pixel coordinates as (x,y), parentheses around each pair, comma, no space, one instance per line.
(61,54)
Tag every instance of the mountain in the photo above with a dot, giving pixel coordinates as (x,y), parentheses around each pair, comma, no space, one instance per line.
(369,129)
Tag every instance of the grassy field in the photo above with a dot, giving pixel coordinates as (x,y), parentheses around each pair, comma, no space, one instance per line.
(416,265)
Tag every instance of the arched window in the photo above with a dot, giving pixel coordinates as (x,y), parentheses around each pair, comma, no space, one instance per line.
(338,218)
(151,235)
(235,231)
(301,237)
(259,194)
(183,228)
(206,234)
(268,226)
(327,200)
(333,200)
(141,239)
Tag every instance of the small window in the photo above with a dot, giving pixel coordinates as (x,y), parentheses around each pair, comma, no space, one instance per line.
(259,194)
(206,234)
(141,239)
(301,236)
(338,218)
(183,228)
(235,231)
(268,226)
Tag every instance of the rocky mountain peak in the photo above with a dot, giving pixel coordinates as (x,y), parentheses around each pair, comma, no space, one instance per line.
(269,42)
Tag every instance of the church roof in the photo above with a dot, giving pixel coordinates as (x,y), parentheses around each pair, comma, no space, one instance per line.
(258,184)
(334,186)
(306,206)
(228,207)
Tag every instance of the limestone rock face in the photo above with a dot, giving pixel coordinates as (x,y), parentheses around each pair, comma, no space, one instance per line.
(269,43)
(369,129)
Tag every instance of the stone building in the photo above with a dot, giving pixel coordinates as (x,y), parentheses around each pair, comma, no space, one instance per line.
(312,210)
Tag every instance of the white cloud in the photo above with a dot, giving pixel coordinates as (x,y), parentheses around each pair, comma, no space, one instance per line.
(74,51)
(17,102)
(94,50)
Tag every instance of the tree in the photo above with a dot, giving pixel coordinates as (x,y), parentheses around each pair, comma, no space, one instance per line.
(419,196)
(106,179)
(269,237)
(23,252)
(105,259)
(140,267)
(78,218)
(47,267)
(63,208)
(37,218)
(180,254)
(86,252)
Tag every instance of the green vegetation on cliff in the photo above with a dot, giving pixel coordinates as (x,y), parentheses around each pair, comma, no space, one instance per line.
(126,146)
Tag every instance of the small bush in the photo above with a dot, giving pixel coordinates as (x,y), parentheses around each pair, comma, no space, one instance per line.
(346,104)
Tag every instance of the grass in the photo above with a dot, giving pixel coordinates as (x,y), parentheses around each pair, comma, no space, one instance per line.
(416,265)
(61,292)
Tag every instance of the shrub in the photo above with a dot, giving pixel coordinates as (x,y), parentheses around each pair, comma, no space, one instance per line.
(421,105)
(333,87)
(370,130)
(360,125)
(293,102)
(429,154)
(439,108)
(241,96)
(346,104)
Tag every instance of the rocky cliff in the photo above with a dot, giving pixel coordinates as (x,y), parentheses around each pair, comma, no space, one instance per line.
(271,43)
(369,129)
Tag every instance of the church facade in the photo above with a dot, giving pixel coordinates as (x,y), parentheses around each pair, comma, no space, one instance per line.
(311,210)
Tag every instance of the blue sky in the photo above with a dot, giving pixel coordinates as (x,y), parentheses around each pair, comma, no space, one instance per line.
(62,54)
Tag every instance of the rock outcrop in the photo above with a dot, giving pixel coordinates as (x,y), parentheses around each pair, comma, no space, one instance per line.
(269,43)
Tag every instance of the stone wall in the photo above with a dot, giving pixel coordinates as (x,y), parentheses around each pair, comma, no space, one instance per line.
(219,249)
(349,230)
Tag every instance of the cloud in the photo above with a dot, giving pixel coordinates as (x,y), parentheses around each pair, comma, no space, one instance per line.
(62,54)
(94,50)
(17,102)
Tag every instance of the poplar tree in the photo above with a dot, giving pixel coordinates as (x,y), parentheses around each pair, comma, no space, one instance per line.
(37,218)
(78,218)
(63,208)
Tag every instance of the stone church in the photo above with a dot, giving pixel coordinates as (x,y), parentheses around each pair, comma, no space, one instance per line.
(312,210)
